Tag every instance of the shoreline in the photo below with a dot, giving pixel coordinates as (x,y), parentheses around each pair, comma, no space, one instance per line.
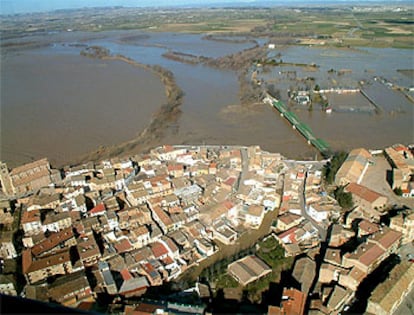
(161,121)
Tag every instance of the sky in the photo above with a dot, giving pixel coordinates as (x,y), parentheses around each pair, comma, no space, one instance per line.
(30,6)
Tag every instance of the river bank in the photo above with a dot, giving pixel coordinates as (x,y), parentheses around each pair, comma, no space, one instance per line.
(164,118)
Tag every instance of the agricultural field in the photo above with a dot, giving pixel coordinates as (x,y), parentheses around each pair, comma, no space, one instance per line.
(382,26)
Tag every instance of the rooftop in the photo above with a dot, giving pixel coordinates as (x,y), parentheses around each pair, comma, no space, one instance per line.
(391,290)
(363,192)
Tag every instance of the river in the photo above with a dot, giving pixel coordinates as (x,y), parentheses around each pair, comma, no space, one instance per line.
(58,104)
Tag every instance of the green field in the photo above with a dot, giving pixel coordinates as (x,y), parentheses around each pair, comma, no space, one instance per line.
(331,26)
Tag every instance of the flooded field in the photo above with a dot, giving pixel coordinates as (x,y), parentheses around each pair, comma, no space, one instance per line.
(61,105)
(82,103)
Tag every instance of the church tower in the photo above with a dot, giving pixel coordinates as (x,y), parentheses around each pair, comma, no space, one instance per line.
(5,180)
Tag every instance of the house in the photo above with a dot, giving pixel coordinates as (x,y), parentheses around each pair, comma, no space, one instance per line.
(7,285)
(404,223)
(230,183)
(402,161)
(162,218)
(108,279)
(30,177)
(141,236)
(293,303)
(189,194)
(70,290)
(352,278)
(204,247)
(366,227)
(79,204)
(304,272)
(123,246)
(46,266)
(55,222)
(254,216)
(167,152)
(209,214)
(175,170)
(388,295)
(145,309)
(88,250)
(131,286)
(31,222)
(366,198)
(289,236)
(338,298)
(388,239)
(340,235)
(78,180)
(354,167)
(248,269)
(122,163)
(224,233)
(319,212)
(329,273)
(370,254)
(42,201)
(305,235)
(79,169)
(7,249)
(6,215)
(99,209)
(54,242)
(172,248)
(152,274)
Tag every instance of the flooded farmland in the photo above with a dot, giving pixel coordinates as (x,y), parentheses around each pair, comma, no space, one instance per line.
(82,103)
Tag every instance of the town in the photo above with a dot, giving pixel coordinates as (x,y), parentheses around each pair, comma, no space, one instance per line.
(108,233)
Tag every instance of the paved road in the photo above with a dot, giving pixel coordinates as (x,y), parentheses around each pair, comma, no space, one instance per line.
(245,167)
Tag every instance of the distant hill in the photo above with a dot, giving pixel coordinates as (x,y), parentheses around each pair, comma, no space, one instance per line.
(31,6)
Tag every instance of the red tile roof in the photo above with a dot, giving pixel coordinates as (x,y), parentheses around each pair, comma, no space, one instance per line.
(290,233)
(368,227)
(30,216)
(386,238)
(230,181)
(126,275)
(175,167)
(168,260)
(98,209)
(363,192)
(123,246)
(295,303)
(158,249)
(52,241)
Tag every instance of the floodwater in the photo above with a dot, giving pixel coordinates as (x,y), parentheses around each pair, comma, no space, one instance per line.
(81,103)
(62,106)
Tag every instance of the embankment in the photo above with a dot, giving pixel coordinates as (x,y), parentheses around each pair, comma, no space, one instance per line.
(161,121)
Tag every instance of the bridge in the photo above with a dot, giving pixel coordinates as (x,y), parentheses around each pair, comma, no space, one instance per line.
(301,127)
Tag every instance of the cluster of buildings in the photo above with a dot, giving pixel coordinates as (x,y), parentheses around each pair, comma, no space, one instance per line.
(121,226)
(356,243)
(402,162)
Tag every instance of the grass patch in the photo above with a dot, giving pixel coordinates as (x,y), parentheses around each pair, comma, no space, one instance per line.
(224,280)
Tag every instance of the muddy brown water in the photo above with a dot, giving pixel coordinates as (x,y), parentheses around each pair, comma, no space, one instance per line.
(58,104)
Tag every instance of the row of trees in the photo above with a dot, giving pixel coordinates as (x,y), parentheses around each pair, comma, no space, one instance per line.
(332,167)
